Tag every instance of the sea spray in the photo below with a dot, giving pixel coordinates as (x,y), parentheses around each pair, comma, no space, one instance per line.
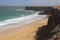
(16,22)
(19,19)
(16,17)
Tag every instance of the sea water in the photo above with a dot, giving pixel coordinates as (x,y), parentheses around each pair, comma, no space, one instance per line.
(16,16)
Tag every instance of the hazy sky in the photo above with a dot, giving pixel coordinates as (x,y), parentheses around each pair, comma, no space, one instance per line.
(29,2)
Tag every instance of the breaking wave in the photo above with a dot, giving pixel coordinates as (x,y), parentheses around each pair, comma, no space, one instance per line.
(20,21)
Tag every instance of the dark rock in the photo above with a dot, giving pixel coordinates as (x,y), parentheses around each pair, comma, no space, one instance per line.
(51,31)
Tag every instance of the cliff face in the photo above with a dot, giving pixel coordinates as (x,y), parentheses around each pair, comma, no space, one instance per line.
(58,7)
(45,9)
(37,8)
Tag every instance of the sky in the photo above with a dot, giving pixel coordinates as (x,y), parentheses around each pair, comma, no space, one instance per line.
(29,2)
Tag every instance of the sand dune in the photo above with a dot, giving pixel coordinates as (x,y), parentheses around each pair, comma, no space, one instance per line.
(26,32)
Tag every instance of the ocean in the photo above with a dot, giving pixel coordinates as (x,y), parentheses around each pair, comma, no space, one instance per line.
(15,16)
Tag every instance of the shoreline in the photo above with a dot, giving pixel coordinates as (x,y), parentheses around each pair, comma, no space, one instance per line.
(8,26)
(22,33)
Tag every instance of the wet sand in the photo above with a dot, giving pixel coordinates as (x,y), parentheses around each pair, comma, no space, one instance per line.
(26,32)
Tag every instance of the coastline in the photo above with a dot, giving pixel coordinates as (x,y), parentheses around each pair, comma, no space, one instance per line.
(20,21)
(26,32)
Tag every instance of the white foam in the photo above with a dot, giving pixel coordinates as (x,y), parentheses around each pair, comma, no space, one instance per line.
(21,20)
(14,20)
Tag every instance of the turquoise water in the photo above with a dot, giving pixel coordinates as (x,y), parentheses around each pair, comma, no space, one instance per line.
(13,12)
(16,16)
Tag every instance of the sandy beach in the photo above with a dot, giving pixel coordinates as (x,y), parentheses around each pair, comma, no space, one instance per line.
(26,32)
